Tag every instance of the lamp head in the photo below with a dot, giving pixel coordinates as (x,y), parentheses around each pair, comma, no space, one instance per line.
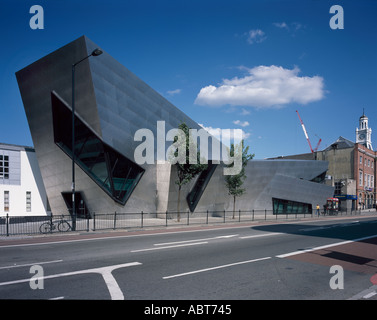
(96,52)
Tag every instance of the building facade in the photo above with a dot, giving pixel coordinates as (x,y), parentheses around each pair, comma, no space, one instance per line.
(352,168)
(365,173)
(21,187)
(111,105)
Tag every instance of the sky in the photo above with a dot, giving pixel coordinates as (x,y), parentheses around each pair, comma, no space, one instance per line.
(227,64)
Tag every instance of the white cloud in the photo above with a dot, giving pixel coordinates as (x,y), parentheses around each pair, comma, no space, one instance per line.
(223,134)
(255,36)
(245,112)
(174,92)
(240,123)
(262,87)
(281,25)
(292,27)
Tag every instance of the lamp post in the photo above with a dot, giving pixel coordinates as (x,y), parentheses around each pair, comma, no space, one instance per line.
(95,52)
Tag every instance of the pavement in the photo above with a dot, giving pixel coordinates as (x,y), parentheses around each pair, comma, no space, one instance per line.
(250,260)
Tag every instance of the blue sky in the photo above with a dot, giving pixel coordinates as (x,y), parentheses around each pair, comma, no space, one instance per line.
(227,64)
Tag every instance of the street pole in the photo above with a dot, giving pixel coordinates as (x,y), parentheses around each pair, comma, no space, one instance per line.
(95,53)
(73,150)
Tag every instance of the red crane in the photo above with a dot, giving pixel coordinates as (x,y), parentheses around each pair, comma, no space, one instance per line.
(307,137)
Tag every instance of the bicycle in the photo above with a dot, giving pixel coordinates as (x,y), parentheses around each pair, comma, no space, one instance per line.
(62,225)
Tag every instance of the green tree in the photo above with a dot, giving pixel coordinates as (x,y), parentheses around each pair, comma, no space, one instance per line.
(186,170)
(234,182)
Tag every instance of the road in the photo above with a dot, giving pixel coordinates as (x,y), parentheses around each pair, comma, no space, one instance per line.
(274,261)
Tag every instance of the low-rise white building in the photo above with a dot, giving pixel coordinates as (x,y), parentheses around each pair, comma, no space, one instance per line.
(22,192)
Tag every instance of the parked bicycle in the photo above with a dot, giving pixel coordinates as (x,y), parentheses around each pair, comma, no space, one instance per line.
(62,225)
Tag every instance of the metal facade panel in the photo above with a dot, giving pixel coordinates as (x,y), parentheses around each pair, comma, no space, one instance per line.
(267,179)
(115,103)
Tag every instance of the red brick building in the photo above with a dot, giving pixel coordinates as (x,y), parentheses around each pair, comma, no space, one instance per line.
(365,175)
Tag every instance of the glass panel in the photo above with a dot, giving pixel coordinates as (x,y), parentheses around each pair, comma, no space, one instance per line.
(113,172)
(281,206)
(195,194)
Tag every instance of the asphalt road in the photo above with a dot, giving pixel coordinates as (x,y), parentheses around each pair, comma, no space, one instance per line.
(289,260)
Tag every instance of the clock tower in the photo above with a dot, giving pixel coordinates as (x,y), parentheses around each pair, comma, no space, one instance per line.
(364,133)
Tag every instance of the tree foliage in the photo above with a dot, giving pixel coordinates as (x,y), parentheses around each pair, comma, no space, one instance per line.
(187,170)
(235,182)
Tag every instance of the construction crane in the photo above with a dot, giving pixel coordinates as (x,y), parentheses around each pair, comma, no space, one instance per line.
(307,137)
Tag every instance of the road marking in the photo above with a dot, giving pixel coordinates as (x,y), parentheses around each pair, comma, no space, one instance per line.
(370,295)
(195,240)
(262,235)
(29,264)
(168,247)
(228,227)
(323,247)
(214,268)
(112,285)
(57,298)
(365,294)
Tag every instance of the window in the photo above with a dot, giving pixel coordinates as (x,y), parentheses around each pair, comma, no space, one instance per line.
(361,159)
(201,183)
(281,206)
(368,163)
(320,178)
(338,188)
(113,172)
(366,180)
(6,201)
(4,167)
(361,178)
(28,201)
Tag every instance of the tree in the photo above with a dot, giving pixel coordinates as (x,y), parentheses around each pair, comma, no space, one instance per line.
(186,170)
(234,182)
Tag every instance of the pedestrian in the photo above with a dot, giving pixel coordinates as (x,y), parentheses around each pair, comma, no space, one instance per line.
(317,211)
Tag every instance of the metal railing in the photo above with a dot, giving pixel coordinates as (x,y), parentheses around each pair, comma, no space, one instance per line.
(29,225)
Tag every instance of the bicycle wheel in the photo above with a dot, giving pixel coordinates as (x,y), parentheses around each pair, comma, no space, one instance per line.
(45,227)
(64,226)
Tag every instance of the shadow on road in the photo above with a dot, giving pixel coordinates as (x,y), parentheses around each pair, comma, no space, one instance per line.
(337,229)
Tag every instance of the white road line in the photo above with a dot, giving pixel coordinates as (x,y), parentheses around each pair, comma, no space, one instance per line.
(370,295)
(214,268)
(365,294)
(262,235)
(112,285)
(29,264)
(196,240)
(168,247)
(322,247)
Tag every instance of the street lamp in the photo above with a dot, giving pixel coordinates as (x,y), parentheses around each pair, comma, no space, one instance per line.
(96,52)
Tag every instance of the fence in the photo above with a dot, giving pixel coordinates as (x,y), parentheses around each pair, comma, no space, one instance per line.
(28,225)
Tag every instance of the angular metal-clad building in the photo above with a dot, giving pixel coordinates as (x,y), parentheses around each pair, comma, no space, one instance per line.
(111,104)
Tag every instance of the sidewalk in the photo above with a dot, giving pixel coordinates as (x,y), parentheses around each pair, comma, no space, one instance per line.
(110,233)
